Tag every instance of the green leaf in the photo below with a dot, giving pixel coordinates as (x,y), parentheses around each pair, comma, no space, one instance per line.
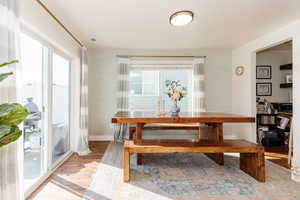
(8,63)
(5,75)
(9,134)
(12,113)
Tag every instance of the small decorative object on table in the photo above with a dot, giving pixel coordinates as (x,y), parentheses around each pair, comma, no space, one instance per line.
(176,92)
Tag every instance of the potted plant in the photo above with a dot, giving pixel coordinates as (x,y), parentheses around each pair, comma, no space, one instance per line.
(11,115)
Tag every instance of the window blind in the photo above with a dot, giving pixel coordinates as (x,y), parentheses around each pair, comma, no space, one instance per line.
(147,84)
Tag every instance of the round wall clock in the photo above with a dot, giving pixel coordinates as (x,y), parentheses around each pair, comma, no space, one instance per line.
(239,70)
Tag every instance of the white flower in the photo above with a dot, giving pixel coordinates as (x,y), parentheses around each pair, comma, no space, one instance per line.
(176,96)
(175,90)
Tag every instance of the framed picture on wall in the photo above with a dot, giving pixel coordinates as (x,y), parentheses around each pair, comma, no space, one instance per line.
(263,89)
(263,72)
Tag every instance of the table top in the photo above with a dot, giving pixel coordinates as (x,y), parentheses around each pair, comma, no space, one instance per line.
(183,117)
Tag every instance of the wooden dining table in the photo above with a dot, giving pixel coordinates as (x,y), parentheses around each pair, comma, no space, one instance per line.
(212,120)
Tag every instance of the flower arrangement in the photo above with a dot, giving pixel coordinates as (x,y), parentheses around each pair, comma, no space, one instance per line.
(175,92)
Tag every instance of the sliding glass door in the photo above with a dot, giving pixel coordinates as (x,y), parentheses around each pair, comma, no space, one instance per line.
(45,90)
(60,107)
(33,100)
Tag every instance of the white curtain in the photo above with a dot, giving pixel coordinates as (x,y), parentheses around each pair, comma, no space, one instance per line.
(11,156)
(199,85)
(82,147)
(122,98)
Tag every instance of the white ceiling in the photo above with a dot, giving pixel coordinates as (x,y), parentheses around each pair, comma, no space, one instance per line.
(143,24)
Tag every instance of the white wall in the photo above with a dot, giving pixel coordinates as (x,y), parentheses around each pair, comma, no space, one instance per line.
(102,84)
(243,92)
(35,19)
(275,58)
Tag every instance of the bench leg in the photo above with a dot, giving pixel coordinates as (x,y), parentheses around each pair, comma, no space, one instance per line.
(254,165)
(216,157)
(126,165)
(139,159)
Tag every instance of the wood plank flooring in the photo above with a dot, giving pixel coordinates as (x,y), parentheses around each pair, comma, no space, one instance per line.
(72,179)
(278,155)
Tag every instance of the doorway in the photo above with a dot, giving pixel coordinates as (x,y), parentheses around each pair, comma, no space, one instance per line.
(274,101)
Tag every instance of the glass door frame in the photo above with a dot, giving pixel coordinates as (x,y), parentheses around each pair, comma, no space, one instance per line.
(48,167)
(43,94)
(50,106)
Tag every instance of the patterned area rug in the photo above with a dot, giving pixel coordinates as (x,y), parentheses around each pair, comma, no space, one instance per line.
(187,177)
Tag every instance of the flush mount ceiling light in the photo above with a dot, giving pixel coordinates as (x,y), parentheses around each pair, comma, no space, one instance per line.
(181,18)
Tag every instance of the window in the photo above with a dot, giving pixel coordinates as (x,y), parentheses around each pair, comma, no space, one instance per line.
(147,83)
(144,83)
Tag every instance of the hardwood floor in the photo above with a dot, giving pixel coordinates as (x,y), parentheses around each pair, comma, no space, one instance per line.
(278,155)
(72,179)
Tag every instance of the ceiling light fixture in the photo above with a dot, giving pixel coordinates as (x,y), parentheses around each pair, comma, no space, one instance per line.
(181,18)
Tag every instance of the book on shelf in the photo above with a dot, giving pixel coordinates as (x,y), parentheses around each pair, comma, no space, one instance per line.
(268,120)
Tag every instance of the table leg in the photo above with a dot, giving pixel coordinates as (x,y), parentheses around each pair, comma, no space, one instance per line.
(138,140)
(138,133)
(131,132)
(218,131)
(217,136)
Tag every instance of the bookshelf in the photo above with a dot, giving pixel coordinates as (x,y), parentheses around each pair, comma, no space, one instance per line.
(267,121)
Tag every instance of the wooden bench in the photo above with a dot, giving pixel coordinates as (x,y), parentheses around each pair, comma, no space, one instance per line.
(252,159)
(163,126)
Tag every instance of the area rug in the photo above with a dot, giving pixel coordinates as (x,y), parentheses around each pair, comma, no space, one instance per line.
(186,177)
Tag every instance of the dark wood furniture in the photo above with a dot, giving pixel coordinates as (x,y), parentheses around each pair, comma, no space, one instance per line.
(161,126)
(252,159)
(261,121)
(286,66)
(211,133)
(286,85)
(271,122)
(138,117)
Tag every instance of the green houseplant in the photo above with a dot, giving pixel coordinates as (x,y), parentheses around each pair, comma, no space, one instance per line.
(11,115)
